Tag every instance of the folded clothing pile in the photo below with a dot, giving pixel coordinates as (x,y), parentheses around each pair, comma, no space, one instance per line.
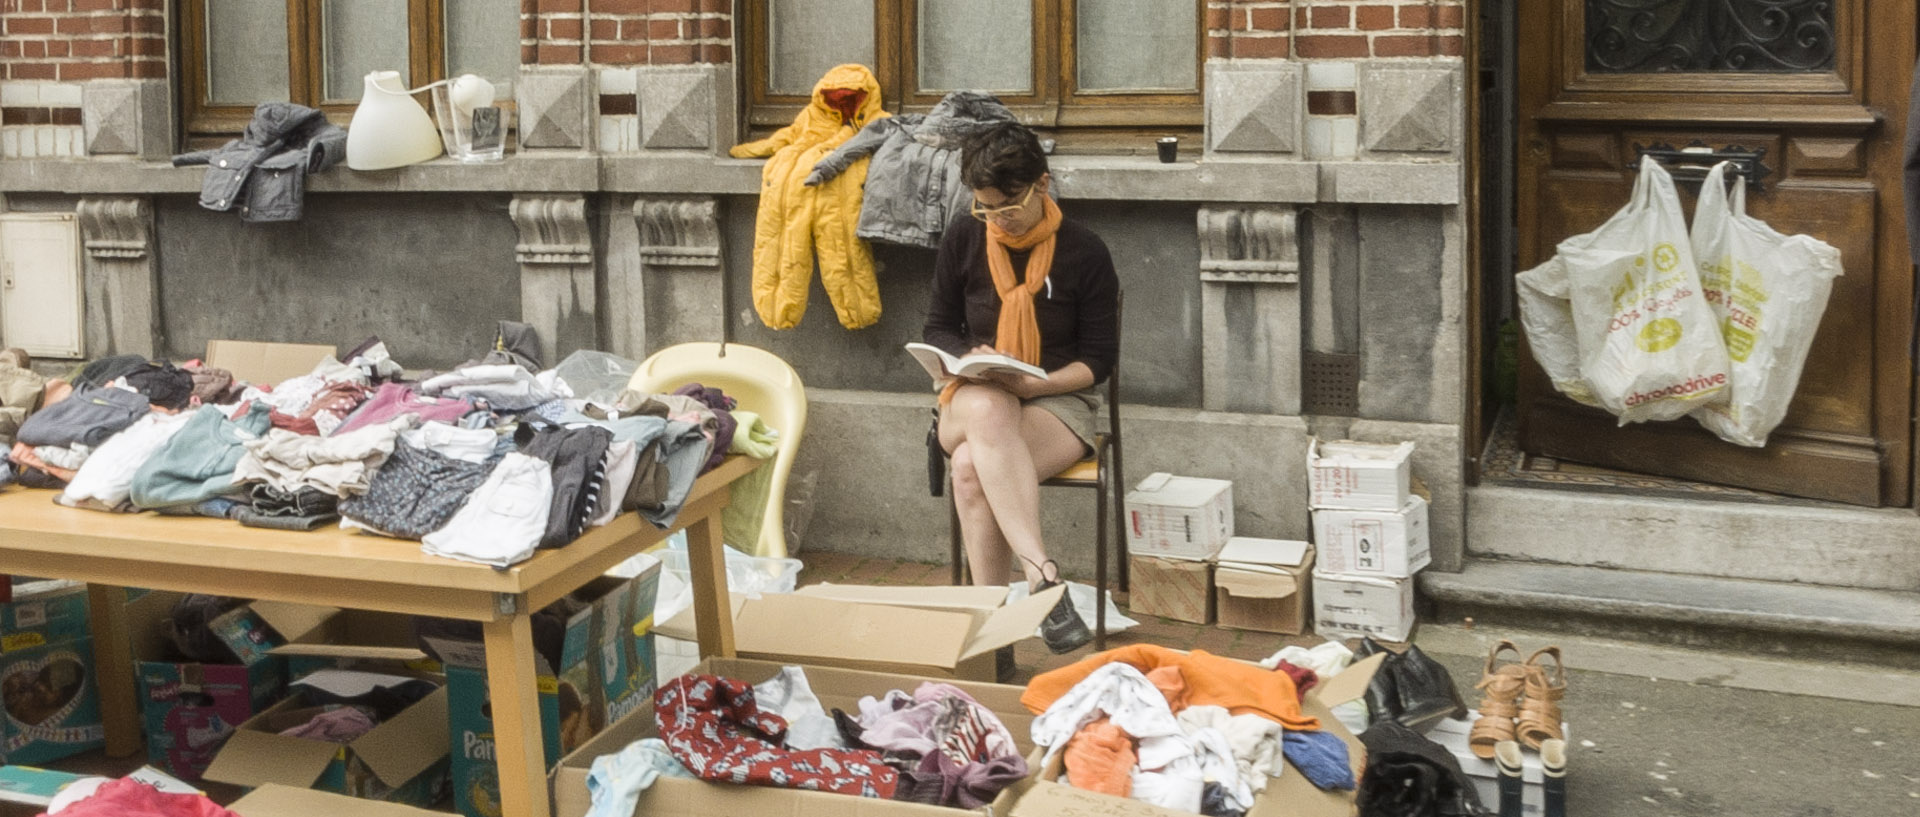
(1192,732)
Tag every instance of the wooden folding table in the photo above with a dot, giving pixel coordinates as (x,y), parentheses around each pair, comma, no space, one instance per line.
(342,569)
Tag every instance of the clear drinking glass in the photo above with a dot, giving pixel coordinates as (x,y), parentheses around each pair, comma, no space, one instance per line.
(472,127)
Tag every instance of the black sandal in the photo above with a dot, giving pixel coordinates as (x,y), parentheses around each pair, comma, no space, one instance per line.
(1063,629)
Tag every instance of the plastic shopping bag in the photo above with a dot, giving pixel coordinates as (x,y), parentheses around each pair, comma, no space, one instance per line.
(1769,292)
(1547,317)
(1650,348)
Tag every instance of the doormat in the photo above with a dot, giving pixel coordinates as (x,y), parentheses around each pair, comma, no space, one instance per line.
(1503,463)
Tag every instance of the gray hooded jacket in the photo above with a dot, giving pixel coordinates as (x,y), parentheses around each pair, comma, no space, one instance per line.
(913,184)
(264,172)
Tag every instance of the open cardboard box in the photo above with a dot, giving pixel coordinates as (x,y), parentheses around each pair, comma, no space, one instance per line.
(404,759)
(265,364)
(837,689)
(935,632)
(275,800)
(1289,795)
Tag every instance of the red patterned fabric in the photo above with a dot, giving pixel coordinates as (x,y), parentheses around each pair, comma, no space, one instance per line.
(131,798)
(713,727)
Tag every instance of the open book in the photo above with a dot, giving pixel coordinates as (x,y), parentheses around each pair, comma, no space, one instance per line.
(940,365)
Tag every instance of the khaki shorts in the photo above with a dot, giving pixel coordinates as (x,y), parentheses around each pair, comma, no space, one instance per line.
(1076,409)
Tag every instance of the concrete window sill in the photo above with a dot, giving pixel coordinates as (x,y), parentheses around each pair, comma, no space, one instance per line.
(1109,178)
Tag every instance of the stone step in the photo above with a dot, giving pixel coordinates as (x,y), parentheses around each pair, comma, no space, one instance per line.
(1801,542)
(1866,626)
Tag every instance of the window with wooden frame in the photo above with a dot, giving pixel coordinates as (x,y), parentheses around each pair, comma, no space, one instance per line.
(239,53)
(1126,64)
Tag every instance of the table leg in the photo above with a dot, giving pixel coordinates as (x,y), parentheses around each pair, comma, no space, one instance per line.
(712,607)
(519,752)
(113,669)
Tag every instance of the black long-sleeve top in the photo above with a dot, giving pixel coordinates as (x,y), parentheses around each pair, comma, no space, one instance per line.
(1076,310)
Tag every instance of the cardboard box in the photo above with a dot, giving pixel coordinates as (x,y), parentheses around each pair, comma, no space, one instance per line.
(52,702)
(1261,584)
(607,671)
(265,363)
(1347,606)
(274,800)
(1358,476)
(1392,544)
(837,689)
(1179,589)
(952,634)
(42,613)
(1180,517)
(1288,795)
(1453,734)
(189,707)
(403,760)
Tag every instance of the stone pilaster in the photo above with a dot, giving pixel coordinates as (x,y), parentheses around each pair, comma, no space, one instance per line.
(555,252)
(673,289)
(120,272)
(1250,309)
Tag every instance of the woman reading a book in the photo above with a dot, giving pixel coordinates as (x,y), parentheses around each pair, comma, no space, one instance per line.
(1017,279)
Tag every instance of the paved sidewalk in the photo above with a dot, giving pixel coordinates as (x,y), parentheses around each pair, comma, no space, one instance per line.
(1639,746)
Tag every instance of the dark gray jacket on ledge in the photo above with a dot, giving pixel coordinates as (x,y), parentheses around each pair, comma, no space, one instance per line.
(264,172)
(913,184)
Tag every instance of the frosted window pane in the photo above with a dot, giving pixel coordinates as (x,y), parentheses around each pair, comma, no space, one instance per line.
(246,52)
(1136,45)
(359,36)
(807,37)
(976,45)
(483,37)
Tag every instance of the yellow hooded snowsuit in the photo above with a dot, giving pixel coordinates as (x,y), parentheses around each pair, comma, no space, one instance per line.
(794,218)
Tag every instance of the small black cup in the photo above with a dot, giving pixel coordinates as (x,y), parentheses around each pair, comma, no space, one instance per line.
(1169,148)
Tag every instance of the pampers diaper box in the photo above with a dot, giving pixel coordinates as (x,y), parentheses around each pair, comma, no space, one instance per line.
(47,674)
(607,671)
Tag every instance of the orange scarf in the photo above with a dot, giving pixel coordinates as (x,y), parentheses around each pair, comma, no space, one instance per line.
(1018,333)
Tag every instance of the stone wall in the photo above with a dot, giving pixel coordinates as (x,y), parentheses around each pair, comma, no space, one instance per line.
(1300,274)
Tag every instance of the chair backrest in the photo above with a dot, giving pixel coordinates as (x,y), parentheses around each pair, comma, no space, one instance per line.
(762,383)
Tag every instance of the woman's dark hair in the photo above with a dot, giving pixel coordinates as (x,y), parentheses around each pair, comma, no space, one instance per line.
(1005,156)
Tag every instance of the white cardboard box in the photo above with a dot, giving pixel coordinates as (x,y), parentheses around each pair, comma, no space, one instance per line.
(1179,517)
(1391,544)
(1346,606)
(1358,476)
(1453,734)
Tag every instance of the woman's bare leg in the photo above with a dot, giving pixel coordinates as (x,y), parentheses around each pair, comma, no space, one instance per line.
(1010,449)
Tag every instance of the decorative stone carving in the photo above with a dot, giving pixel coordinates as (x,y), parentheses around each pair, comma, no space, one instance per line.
(116,228)
(677,106)
(553,230)
(1251,245)
(556,272)
(553,103)
(119,270)
(679,232)
(1250,309)
(125,116)
(1408,108)
(1253,106)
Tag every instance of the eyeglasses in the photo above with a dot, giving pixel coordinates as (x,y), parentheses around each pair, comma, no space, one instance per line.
(985,213)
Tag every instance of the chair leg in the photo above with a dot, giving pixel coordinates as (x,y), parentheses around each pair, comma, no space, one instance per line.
(1100,563)
(1118,485)
(958,551)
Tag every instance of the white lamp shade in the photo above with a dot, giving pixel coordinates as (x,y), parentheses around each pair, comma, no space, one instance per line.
(389,129)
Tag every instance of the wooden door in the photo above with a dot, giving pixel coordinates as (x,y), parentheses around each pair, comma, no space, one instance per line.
(1821,86)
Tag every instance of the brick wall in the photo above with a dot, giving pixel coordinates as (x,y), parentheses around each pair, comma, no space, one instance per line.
(70,40)
(1335,29)
(626,32)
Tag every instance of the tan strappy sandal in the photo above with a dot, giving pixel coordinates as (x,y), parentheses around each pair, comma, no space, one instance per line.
(1540,713)
(1499,703)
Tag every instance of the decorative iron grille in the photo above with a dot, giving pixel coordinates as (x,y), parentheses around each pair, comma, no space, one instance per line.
(1722,36)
